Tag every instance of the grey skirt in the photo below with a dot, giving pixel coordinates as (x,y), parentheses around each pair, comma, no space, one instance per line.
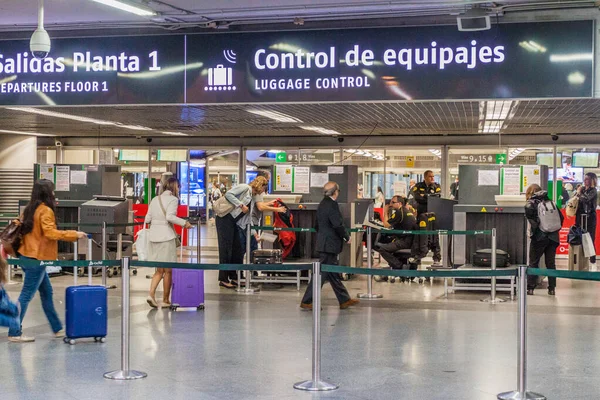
(162,251)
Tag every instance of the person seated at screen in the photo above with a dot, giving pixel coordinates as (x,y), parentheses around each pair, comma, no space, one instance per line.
(398,215)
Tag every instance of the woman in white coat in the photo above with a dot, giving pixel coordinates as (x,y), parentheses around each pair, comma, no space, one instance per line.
(162,246)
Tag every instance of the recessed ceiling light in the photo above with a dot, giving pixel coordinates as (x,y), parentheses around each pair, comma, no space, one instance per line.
(274,115)
(175,133)
(26,133)
(319,129)
(48,113)
(137,9)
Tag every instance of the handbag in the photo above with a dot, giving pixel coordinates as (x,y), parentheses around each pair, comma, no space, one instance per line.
(588,246)
(141,244)
(222,207)
(11,237)
(574,237)
(177,239)
(572,205)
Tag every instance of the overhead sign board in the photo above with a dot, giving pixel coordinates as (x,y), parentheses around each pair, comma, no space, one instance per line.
(534,60)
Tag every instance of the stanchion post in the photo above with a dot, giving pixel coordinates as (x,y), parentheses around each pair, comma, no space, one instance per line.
(248,289)
(369,295)
(198,242)
(493,299)
(89,258)
(521,393)
(75,257)
(316,384)
(493,258)
(104,251)
(443,239)
(125,373)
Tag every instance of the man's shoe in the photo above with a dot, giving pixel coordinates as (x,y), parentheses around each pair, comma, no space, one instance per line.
(21,339)
(60,334)
(530,292)
(349,303)
(305,306)
(551,292)
(593,267)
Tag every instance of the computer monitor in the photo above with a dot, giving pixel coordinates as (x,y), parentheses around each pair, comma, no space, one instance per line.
(585,159)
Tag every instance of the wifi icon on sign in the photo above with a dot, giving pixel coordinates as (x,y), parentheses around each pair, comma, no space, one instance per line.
(230,56)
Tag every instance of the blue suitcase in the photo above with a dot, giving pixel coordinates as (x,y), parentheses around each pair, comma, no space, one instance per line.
(86,313)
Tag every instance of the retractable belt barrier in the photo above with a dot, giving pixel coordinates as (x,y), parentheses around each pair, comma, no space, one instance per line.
(556,273)
(436,232)
(224,267)
(316,383)
(369,295)
(419,274)
(311,230)
(66,263)
(96,225)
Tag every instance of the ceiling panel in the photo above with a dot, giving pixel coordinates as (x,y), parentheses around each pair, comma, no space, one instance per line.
(376,118)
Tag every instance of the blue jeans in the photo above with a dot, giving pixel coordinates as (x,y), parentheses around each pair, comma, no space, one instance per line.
(36,279)
(253,242)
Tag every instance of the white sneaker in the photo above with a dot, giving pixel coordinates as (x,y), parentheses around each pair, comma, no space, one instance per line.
(593,267)
(21,339)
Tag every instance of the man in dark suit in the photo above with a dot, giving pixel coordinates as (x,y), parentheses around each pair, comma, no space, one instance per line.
(331,235)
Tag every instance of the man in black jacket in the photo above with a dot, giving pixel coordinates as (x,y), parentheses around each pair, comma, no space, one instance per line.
(331,235)
(423,190)
(401,219)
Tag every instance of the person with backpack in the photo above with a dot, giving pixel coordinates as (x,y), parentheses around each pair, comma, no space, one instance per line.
(545,221)
(40,242)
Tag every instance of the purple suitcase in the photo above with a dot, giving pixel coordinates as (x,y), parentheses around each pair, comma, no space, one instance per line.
(188,289)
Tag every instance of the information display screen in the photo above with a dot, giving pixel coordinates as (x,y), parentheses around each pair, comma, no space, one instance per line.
(546,159)
(585,159)
(533,60)
(552,59)
(94,71)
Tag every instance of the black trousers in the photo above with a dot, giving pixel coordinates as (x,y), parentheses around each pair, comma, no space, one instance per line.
(334,279)
(230,248)
(387,251)
(538,248)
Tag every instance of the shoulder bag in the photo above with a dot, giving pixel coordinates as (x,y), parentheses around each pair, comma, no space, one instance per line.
(177,239)
(222,206)
(572,205)
(11,237)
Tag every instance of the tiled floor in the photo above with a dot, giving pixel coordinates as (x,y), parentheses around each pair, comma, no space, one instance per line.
(411,344)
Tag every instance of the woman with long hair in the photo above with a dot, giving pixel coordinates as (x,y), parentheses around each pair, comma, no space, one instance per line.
(40,242)
(230,246)
(162,215)
(588,200)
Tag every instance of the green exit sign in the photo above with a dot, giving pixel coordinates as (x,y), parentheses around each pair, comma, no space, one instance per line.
(500,158)
(281,157)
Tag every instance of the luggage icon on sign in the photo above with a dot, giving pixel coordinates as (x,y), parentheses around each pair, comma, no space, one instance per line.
(220,78)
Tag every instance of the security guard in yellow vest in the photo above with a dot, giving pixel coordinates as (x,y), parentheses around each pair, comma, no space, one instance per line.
(422,190)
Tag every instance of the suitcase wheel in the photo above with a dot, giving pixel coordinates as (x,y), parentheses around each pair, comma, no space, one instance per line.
(135,271)
(200,307)
(100,339)
(173,308)
(392,279)
(71,342)
(66,339)
(109,273)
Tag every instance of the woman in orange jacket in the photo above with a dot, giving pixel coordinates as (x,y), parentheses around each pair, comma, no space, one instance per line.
(40,242)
